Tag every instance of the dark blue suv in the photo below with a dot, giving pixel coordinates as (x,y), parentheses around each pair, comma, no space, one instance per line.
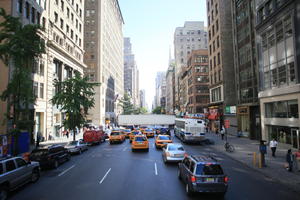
(202,174)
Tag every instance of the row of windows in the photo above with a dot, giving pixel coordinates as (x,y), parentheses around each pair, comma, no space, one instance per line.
(215,77)
(192,32)
(39,67)
(62,7)
(212,32)
(216,94)
(30,12)
(282,109)
(212,15)
(212,48)
(69,47)
(217,61)
(267,9)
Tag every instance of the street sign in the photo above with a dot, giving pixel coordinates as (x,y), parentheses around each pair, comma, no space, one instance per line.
(226,123)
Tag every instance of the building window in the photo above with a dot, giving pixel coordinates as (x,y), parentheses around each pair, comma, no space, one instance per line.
(27,10)
(214,46)
(68,12)
(80,28)
(62,5)
(35,89)
(291,71)
(41,90)
(71,34)
(42,68)
(214,61)
(218,43)
(38,18)
(217,25)
(44,22)
(72,17)
(282,109)
(55,17)
(279,32)
(67,27)
(288,26)
(77,8)
(80,13)
(20,6)
(219,58)
(61,23)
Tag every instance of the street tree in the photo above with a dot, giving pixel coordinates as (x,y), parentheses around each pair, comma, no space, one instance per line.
(126,104)
(20,46)
(157,110)
(74,97)
(140,110)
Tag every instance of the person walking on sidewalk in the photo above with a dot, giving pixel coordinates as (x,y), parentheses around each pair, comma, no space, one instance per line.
(263,151)
(273,146)
(222,133)
(290,160)
(297,158)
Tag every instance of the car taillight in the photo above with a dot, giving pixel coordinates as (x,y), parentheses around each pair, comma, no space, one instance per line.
(226,179)
(193,179)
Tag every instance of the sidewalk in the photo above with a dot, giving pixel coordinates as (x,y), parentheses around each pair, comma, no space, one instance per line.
(62,139)
(244,149)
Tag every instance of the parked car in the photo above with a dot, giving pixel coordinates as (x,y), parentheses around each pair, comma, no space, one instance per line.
(202,174)
(15,172)
(174,152)
(140,142)
(93,137)
(50,156)
(77,146)
(162,141)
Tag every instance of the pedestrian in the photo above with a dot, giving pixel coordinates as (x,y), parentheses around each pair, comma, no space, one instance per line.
(289,160)
(67,133)
(38,138)
(297,158)
(263,151)
(217,131)
(222,133)
(273,146)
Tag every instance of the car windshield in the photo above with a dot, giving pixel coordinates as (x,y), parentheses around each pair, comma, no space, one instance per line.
(72,143)
(127,131)
(164,137)
(175,148)
(39,152)
(148,129)
(115,133)
(140,139)
(209,169)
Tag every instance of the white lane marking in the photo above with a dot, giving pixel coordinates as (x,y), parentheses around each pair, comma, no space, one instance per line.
(155,167)
(66,170)
(105,176)
(125,149)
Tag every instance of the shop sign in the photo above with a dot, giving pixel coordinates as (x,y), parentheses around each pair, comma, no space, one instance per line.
(226,123)
(230,110)
(243,110)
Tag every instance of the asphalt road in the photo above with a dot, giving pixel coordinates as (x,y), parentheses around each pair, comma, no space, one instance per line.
(112,172)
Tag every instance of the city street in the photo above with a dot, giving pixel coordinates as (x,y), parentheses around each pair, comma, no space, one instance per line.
(114,172)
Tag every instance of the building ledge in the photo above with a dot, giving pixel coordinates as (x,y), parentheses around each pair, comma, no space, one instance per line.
(279,91)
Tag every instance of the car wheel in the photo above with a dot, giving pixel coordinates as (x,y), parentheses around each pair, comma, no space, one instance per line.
(133,150)
(80,152)
(35,175)
(110,142)
(188,190)
(147,150)
(3,193)
(55,164)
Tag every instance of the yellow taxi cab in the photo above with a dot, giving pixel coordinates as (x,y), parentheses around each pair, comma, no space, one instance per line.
(149,132)
(116,136)
(126,132)
(134,133)
(162,141)
(140,142)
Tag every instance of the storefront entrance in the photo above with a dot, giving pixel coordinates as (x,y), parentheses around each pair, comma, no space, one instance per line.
(286,135)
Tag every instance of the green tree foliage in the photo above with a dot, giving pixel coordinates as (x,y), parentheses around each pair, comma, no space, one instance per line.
(19,46)
(127,106)
(157,110)
(140,110)
(74,97)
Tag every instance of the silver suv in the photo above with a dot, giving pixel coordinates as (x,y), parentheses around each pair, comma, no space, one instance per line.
(15,172)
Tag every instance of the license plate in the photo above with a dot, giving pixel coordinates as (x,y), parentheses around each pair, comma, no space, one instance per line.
(210,180)
(178,155)
(140,143)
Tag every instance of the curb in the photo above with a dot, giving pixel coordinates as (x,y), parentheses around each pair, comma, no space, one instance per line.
(290,186)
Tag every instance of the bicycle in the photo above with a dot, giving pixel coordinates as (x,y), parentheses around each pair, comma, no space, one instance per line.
(229,147)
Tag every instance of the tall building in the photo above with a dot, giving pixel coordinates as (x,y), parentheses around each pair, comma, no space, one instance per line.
(104,57)
(142,99)
(131,73)
(170,83)
(278,39)
(160,88)
(248,116)
(183,91)
(221,65)
(63,33)
(198,82)
(191,36)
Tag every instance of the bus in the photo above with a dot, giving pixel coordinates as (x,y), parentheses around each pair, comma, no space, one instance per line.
(190,130)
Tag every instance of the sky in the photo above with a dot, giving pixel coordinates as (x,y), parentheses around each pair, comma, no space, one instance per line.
(150,24)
